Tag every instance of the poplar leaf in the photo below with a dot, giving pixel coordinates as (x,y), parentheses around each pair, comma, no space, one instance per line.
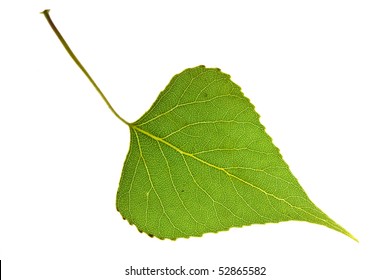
(200,161)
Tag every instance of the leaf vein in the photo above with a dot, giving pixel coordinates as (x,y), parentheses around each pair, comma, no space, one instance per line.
(208,122)
(175,188)
(154,189)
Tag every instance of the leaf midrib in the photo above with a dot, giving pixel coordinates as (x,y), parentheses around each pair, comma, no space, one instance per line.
(158,139)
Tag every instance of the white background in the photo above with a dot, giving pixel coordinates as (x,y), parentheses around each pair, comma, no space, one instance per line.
(318,74)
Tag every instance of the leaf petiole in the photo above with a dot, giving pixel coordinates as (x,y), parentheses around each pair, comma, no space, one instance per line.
(75,59)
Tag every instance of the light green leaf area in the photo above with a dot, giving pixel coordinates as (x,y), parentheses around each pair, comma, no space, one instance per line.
(200,161)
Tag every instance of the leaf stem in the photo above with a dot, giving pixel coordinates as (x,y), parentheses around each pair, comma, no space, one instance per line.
(75,59)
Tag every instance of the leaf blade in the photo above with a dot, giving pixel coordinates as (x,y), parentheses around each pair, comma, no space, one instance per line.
(209,164)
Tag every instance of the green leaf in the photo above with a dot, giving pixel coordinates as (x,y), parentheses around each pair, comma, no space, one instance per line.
(200,161)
